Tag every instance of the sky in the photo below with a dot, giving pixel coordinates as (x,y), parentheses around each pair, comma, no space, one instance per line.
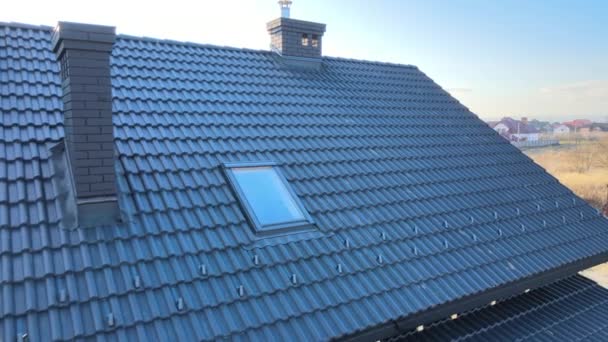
(541,59)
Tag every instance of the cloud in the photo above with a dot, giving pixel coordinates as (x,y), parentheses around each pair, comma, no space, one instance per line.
(459,90)
(590,89)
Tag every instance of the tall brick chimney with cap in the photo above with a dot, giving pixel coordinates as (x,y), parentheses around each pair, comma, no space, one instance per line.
(83,52)
(296,40)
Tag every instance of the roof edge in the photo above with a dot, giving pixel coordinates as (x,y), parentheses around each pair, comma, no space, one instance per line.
(26,26)
(212,46)
(474,301)
(233,48)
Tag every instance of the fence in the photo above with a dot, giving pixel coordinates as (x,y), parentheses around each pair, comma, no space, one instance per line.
(536,143)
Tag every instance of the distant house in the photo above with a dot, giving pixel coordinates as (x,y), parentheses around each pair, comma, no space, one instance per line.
(516,130)
(546,128)
(599,127)
(560,129)
(542,126)
(501,128)
(579,125)
(583,130)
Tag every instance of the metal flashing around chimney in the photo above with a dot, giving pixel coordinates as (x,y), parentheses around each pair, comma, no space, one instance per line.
(299,62)
(64,186)
(84,164)
(83,213)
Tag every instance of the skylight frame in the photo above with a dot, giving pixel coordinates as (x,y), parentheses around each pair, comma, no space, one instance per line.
(305,224)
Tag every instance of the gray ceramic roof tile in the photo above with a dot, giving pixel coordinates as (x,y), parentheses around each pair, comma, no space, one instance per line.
(570,309)
(417,200)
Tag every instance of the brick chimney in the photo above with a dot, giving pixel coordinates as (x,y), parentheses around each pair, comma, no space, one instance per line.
(83,52)
(295,38)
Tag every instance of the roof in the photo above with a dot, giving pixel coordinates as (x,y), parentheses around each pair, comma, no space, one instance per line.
(603,126)
(578,123)
(419,202)
(572,309)
(517,126)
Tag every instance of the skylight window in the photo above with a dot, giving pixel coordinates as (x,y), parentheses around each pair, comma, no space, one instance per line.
(268,200)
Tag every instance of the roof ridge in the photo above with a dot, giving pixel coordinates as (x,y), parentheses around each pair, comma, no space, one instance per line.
(233,48)
(15,24)
(211,46)
(189,43)
(373,62)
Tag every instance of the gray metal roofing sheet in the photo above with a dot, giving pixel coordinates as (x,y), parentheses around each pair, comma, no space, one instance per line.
(572,309)
(417,200)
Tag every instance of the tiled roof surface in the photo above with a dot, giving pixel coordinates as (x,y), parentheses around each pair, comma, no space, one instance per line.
(573,309)
(416,200)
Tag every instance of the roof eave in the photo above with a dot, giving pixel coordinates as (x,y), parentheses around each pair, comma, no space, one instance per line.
(468,303)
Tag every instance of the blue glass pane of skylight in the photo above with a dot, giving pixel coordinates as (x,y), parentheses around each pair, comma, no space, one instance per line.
(267,195)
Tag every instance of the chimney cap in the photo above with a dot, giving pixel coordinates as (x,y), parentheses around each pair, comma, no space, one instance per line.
(69,35)
(285,7)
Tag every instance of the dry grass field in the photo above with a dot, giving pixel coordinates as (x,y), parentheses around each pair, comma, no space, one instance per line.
(582,165)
